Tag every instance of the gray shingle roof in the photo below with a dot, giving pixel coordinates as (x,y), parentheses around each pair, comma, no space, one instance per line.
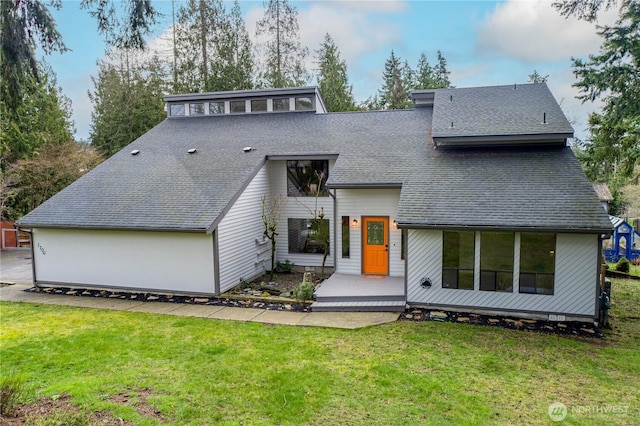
(517,188)
(499,112)
(165,188)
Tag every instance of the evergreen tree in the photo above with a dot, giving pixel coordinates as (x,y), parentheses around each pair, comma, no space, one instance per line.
(196,35)
(43,116)
(441,73)
(284,55)
(127,102)
(612,152)
(424,75)
(535,77)
(333,81)
(394,93)
(233,68)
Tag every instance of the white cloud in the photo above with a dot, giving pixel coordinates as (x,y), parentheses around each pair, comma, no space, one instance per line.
(533,31)
(384,6)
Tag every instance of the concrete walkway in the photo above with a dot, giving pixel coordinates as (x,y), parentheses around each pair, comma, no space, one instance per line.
(15,268)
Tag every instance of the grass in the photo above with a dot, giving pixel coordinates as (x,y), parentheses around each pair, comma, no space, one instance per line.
(199,371)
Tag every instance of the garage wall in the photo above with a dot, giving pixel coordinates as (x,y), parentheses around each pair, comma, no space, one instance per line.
(159,261)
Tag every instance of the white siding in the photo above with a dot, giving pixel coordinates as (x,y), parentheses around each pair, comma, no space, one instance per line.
(243,254)
(300,208)
(159,261)
(575,279)
(357,203)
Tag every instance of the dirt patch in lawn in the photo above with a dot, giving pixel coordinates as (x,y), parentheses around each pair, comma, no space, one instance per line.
(60,410)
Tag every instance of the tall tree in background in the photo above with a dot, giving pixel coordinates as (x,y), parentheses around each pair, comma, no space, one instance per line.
(283,53)
(333,81)
(613,150)
(535,77)
(234,66)
(196,35)
(441,72)
(27,24)
(43,116)
(127,102)
(394,93)
(424,75)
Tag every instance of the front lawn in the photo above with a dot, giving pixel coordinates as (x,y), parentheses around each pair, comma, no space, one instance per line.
(159,369)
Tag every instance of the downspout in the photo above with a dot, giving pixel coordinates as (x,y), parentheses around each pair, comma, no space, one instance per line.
(335,229)
(599,280)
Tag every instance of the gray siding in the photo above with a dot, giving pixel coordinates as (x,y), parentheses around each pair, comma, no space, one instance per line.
(301,208)
(242,251)
(357,203)
(575,282)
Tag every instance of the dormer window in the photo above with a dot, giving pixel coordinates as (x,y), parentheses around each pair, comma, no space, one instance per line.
(258,101)
(216,108)
(196,108)
(176,109)
(238,107)
(304,103)
(281,104)
(259,105)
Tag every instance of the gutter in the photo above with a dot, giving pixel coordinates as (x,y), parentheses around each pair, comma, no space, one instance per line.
(600,231)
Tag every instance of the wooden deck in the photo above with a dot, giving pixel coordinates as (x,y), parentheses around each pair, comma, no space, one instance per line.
(362,293)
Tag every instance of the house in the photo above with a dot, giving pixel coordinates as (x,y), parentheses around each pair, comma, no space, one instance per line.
(604,195)
(625,241)
(471,200)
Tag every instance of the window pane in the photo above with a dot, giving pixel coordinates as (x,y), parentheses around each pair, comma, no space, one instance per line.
(304,104)
(281,104)
(458,259)
(537,263)
(216,108)
(346,233)
(450,278)
(307,178)
(237,106)
(375,233)
(176,109)
(196,108)
(487,280)
(496,261)
(258,105)
(308,237)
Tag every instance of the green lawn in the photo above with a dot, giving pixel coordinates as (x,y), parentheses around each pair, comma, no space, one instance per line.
(199,371)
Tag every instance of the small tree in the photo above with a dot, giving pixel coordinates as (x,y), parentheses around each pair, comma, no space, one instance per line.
(270,219)
(319,227)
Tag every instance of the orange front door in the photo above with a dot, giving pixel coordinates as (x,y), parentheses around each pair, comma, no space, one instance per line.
(375,245)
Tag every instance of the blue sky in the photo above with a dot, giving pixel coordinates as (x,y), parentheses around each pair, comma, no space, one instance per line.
(484,42)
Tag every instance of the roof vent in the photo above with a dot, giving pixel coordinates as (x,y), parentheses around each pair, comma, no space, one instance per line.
(452,125)
(450,98)
(248,149)
(192,151)
(544,118)
(135,152)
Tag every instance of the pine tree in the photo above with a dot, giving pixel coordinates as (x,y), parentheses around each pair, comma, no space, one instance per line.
(127,102)
(333,81)
(425,77)
(441,73)
(233,67)
(284,55)
(394,93)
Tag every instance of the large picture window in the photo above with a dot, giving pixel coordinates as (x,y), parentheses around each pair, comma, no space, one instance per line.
(306,236)
(537,263)
(458,260)
(307,178)
(496,261)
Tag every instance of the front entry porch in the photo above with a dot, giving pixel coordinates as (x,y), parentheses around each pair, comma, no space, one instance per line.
(360,293)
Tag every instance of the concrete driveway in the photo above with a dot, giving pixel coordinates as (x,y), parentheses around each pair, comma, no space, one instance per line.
(15,266)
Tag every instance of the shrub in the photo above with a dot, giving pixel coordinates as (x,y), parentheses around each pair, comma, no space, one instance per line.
(11,392)
(284,267)
(303,292)
(623,265)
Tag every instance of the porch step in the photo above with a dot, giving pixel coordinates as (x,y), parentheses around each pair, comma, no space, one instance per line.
(359,306)
(359,297)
